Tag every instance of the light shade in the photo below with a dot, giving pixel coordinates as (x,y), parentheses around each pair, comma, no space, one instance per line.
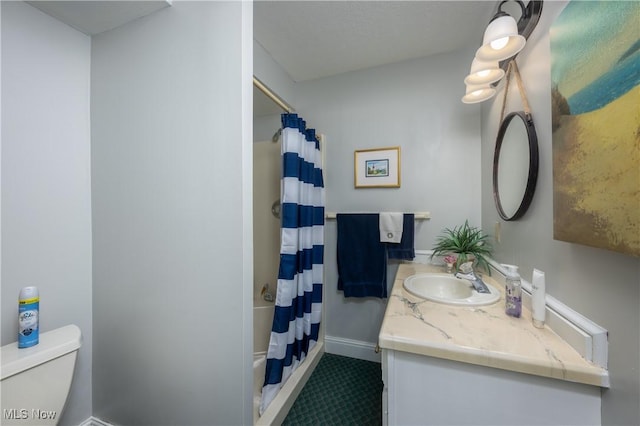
(501,39)
(478,93)
(483,72)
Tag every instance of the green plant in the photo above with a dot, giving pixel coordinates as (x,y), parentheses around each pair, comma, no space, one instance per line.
(466,241)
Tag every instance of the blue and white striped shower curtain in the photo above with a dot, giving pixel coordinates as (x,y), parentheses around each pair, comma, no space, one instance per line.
(296,321)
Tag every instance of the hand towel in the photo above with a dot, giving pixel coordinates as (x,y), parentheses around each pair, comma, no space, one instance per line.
(391,225)
(405,249)
(362,264)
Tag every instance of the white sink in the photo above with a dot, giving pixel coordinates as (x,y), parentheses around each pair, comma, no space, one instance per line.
(445,288)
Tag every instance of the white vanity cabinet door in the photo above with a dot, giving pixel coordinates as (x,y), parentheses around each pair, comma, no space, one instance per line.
(422,390)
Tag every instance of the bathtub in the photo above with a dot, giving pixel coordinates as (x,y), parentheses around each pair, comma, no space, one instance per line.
(282,403)
(262,322)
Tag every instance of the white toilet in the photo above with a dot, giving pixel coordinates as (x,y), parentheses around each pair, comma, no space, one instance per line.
(36,380)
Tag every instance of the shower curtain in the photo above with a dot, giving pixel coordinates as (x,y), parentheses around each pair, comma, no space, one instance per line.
(296,320)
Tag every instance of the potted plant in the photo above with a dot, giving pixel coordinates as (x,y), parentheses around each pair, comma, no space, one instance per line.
(467,242)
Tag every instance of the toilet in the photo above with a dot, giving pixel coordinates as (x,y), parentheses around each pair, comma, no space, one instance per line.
(36,380)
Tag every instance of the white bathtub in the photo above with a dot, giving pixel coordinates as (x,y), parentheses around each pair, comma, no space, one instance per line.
(262,322)
(281,404)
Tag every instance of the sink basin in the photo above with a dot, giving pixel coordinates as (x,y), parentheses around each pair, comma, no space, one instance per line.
(445,288)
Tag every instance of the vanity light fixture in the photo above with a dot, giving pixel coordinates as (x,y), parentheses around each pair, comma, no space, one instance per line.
(478,93)
(503,39)
(484,72)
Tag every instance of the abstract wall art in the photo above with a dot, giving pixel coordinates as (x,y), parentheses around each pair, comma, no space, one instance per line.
(595,73)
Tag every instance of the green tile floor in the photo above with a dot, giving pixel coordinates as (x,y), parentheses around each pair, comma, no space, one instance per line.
(341,391)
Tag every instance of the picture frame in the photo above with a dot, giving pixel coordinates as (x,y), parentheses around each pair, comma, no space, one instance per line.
(377,168)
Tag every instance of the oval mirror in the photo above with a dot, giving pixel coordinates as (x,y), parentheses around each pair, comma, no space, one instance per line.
(515,165)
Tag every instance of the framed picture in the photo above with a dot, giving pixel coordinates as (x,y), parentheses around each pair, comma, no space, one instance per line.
(377,168)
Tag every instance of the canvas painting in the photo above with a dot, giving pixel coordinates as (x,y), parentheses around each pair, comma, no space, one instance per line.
(595,73)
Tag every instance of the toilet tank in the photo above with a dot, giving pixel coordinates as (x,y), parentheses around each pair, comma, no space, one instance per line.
(36,380)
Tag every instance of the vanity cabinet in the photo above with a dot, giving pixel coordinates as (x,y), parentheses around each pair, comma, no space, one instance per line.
(453,365)
(422,390)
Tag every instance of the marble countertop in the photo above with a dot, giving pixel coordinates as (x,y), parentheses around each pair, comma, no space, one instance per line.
(482,335)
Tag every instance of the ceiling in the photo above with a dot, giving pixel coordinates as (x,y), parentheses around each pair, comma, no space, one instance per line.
(94,17)
(316,39)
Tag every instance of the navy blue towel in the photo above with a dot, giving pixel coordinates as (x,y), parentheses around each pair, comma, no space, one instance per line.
(404,249)
(362,263)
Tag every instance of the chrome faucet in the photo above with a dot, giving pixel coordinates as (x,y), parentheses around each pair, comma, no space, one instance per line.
(466,272)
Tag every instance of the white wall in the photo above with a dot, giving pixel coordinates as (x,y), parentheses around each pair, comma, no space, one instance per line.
(602,285)
(415,105)
(264,127)
(46,182)
(171,163)
(269,72)
(273,76)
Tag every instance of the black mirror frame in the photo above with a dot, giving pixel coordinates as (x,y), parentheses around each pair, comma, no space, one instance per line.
(533,164)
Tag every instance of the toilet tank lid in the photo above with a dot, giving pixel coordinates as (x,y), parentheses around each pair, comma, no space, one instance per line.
(53,344)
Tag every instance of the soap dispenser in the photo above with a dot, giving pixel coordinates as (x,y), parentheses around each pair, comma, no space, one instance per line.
(513,292)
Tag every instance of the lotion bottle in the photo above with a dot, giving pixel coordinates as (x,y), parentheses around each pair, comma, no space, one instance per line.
(28,317)
(538,303)
(513,292)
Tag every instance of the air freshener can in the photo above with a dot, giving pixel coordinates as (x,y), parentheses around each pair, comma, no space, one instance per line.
(28,317)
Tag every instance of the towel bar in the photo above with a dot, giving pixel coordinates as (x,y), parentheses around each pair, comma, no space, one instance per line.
(417,215)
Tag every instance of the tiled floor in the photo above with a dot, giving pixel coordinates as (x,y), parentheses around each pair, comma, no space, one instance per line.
(341,391)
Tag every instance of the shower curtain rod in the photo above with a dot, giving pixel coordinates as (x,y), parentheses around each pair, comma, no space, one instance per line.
(269,93)
(278,100)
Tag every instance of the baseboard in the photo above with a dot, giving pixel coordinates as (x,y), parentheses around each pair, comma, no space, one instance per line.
(94,421)
(351,348)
